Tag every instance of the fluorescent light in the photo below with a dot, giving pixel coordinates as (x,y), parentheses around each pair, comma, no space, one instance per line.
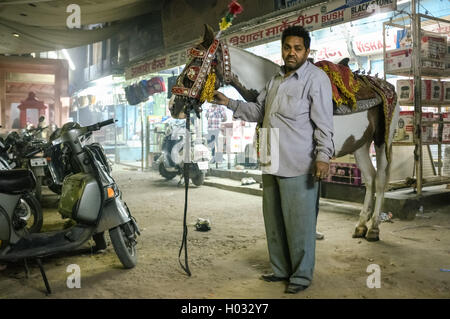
(67,56)
(403,1)
(16,34)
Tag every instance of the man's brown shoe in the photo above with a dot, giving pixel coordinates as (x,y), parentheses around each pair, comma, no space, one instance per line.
(272,278)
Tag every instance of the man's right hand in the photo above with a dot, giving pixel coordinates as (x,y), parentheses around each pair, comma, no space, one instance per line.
(220,98)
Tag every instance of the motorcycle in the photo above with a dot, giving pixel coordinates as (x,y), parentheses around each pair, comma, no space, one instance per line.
(28,209)
(25,151)
(58,163)
(90,197)
(170,162)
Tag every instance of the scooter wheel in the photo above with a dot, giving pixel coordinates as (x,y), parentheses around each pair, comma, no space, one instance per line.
(30,211)
(124,247)
(165,173)
(198,179)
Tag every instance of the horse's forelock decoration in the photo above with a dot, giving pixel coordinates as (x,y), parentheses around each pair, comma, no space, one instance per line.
(198,74)
(197,82)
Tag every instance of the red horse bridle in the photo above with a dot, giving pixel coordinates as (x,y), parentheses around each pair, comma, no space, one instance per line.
(198,74)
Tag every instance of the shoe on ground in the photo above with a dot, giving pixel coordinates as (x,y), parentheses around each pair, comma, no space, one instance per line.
(272,278)
(319,236)
(295,288)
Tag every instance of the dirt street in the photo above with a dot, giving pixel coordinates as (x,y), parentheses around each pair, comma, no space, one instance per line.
(226,261)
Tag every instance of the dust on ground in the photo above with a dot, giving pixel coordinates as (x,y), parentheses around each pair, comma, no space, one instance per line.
(226,261)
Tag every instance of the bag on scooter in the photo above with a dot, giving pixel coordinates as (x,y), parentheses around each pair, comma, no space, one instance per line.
(80,198)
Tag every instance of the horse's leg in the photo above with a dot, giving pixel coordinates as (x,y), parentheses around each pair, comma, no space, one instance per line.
(382,177)
(362,156)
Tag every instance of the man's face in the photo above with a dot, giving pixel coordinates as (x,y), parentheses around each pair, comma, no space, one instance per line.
(294,53)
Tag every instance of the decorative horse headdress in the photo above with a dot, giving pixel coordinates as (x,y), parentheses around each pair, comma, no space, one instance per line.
(203,76)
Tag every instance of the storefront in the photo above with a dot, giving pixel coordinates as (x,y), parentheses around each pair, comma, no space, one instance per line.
(105,99)
(350,34)
(339,29)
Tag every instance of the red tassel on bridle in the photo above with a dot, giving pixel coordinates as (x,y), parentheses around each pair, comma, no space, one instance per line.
(235,8)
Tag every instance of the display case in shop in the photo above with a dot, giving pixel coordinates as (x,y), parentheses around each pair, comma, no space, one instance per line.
(420,65)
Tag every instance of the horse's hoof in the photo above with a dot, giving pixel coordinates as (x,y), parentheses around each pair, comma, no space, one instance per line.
(360,232)
(373,235)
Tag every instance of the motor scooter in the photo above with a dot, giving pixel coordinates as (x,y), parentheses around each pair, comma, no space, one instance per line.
(25,150)
(90,197)
(28,208)
(170,162)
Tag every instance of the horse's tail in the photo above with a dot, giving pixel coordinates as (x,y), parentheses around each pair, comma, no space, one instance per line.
(393,125)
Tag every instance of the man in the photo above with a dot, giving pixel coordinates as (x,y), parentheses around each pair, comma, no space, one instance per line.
(215,115)
(296,112)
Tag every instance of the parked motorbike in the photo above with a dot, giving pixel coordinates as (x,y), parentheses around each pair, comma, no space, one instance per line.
(25,150)
(90,197)
(58,163)
(170,162)
(50,163)
(28,210)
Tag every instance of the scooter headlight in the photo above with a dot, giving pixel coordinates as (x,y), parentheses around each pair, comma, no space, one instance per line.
(110,192)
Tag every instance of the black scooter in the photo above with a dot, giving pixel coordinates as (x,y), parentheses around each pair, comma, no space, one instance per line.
(28,209)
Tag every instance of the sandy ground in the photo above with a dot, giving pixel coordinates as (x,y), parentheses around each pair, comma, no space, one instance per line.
(226,261)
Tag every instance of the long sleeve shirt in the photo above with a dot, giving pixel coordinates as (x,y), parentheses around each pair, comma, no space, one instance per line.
(297,117)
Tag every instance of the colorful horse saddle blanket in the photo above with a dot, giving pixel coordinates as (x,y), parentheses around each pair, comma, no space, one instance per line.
(350,92)
(356,93)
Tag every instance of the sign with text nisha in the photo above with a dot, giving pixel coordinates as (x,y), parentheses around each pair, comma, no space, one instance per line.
(314,18)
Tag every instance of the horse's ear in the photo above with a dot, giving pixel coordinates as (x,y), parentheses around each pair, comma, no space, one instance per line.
(208,37)
(344,62)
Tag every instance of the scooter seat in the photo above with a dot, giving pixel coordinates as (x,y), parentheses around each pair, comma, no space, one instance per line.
(17,181)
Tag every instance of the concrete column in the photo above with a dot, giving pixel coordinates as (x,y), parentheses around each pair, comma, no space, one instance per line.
(57,105)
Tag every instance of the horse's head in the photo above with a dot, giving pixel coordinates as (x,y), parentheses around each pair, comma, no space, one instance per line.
(205,58)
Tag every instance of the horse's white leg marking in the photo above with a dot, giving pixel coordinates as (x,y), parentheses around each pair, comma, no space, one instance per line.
(382,178)
(381,181)
(362,156)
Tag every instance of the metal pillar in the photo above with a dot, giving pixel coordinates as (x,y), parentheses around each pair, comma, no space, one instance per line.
(116,151)
(142,135)
(418,156)
(147,142)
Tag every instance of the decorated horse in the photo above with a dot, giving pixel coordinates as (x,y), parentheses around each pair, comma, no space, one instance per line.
(365,109)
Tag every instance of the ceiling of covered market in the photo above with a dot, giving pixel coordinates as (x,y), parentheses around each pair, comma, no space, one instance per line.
(41,25)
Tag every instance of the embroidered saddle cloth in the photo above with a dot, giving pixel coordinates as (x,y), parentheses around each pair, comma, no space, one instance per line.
(356,93)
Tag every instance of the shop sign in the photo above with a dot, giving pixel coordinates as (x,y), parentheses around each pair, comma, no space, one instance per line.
(372,44)
(334,52)
(282,4)
(363,8)
(441,28)
(157,64)
(312,18)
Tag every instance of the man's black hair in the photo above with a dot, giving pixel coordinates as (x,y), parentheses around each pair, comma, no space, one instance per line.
(297,31)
